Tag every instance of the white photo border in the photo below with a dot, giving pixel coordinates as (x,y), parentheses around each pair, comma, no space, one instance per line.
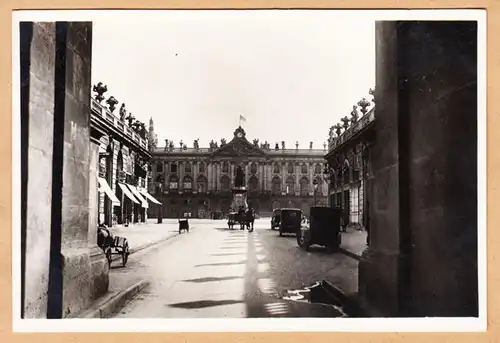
(250,324)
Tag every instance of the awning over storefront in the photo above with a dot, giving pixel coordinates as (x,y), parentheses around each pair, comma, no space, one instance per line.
(127,192)
(150,197)
(104,187)
(138,196)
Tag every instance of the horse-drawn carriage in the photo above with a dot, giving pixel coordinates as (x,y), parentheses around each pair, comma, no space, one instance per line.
(243,218)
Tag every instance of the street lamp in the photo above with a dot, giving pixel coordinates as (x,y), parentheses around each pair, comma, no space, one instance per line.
(315,185)
(160,196)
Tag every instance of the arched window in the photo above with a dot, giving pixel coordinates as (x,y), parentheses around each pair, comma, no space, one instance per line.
(304,186)
(290,183)
(253,168)
(253,184)
(187,168)
(276,185)
(187,183)
(303,168)
(276,169)
(201,184)
(173,182)
(317,168)
(225,183)
(290,168)
(225,167)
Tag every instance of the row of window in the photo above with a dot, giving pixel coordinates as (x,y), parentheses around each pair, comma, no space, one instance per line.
(253,168)
(225,184)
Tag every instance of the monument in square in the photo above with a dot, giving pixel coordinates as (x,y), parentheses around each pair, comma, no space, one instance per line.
(239,191)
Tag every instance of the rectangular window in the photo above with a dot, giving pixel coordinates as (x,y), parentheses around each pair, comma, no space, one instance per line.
(173,168)
(187,168)
(173,185)
(159,167)
(202,167)
(187,185)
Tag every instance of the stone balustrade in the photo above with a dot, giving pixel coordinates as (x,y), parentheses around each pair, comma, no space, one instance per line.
(121,126)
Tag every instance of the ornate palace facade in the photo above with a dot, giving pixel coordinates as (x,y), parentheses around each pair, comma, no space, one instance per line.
(123,162)
(199,180)
(348,168)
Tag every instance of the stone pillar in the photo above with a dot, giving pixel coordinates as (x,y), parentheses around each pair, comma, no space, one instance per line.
(209,176)
(269,175)
(181,165)
(218,168)
(231,174)
(37,52)
(297,177)
(262,176)
(422,257)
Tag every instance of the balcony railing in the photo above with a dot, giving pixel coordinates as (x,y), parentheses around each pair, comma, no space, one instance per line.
(110,118)
(352,130)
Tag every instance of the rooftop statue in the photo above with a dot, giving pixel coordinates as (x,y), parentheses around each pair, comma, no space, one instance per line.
(123,112)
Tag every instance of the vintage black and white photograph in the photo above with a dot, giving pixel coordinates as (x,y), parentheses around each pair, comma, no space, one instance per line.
(323,167)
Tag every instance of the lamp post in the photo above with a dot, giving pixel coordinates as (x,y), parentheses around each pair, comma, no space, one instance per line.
(315,185)
(327,178)
(160,209)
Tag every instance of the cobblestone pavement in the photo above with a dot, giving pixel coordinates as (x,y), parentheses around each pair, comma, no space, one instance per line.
(216,272)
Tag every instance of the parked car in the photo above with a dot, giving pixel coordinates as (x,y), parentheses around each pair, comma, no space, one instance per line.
(276,218)
(290,221)
(322,228)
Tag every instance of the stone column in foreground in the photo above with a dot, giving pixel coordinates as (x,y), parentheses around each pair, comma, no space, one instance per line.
(422,258)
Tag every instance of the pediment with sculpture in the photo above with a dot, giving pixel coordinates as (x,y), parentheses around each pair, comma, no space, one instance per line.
(239,146)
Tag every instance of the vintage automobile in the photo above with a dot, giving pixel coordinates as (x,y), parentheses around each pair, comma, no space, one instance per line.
(322,228)
(290,220)
(275,218)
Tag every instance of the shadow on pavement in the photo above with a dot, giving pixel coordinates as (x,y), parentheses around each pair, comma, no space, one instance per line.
(212,279)
(204,303)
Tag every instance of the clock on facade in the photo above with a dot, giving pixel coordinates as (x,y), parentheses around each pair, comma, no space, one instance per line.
(239,134)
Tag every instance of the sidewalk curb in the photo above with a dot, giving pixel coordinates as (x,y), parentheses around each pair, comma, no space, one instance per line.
(117,301)
(145,246)
(352,305)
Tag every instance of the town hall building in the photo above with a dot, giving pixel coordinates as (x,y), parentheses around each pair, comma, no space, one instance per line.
(198,181)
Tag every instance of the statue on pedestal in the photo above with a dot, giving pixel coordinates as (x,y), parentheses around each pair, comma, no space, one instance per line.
(239,180)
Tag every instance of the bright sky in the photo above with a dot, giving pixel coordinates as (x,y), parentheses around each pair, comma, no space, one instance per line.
(291,74)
